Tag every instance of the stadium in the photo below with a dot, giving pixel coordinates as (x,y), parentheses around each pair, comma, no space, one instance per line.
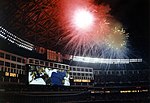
(64,51)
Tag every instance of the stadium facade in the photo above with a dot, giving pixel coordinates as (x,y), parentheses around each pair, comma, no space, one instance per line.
(27,65)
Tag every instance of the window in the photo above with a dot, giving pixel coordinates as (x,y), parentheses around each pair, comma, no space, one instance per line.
(36,62)
(41,62)
(82,69)
(55,65)
(51,64)
(82,74)
(7,64)
(71,68)
(74,69)
(19,66)
(23,60)
(2,69)
(46,64)
(13,58)
(86,70)
(96,72)
(100,72)
(19,60)
(23,67)
(90,70)
(121,72)
(63,67)
(78,74)
(17,71)
(74,73)
(78,69)
(1,62)
(31,61)
(8,69)
(14,70)
(59,66)
(13,65)
(108,73)
(70,73)
(86,74)
(7,56)
(113,72)
(11,70)
(67,67)
(2,55)
(125,72)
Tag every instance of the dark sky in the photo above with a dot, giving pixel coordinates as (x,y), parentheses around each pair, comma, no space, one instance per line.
(134,15)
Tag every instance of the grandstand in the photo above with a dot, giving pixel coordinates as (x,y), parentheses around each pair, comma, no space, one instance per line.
(42,56)
(94,79)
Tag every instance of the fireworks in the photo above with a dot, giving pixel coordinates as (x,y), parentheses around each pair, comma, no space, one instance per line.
(82,19)
(89,29)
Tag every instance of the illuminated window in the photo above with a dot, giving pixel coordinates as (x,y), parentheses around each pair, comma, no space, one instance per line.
(6,74)
(13,75)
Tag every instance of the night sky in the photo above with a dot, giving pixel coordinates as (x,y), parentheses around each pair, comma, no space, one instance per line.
(134,15)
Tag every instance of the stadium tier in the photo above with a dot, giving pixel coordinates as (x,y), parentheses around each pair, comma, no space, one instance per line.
(33,67)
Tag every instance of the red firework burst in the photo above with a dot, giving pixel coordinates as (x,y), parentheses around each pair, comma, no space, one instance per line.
(85,24)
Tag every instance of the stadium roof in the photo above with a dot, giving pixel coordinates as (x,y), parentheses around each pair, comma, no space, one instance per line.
(34,21)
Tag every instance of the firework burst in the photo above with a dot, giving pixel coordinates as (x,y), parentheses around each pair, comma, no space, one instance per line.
(88,29)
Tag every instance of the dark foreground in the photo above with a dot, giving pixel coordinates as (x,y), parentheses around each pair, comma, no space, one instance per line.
(53,97)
